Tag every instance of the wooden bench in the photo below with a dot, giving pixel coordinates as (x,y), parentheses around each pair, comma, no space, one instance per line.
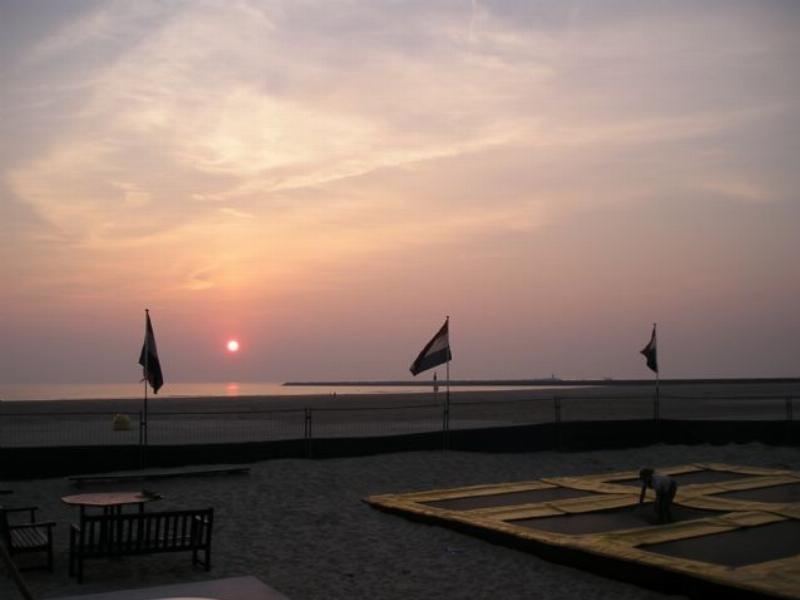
(114,535)
(25,538)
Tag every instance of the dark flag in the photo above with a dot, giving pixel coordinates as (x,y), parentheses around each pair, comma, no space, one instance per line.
(650,352)
(148,358)
(435,352)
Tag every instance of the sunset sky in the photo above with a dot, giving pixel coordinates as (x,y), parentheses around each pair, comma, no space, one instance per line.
(326,181)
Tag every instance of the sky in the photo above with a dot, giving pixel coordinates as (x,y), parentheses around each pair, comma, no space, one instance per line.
(326,181)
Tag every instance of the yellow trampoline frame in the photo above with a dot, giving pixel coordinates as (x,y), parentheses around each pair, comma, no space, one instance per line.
(775,578)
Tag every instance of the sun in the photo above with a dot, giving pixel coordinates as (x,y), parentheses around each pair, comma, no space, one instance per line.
(232,346)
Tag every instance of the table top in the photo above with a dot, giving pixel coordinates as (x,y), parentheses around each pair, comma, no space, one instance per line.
(105,499)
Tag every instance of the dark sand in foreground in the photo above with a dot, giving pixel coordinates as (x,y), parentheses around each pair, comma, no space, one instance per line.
(301,526)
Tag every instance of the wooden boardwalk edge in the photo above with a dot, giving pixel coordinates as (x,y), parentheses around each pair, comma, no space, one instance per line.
(82,479)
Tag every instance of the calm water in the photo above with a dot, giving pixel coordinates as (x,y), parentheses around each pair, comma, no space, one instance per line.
(61,391)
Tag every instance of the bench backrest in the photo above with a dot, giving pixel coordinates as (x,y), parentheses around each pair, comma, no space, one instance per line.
(146,532)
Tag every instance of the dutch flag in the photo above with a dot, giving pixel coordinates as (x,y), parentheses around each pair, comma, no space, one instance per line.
(435,352)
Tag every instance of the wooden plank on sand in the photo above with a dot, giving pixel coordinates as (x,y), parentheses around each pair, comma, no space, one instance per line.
(83,479)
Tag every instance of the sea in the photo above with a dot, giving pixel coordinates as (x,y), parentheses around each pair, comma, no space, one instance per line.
(222,389)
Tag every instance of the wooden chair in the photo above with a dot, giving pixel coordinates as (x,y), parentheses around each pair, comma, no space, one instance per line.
(24,538)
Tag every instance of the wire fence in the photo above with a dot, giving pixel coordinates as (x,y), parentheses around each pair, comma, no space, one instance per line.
(87,428)
(733,408)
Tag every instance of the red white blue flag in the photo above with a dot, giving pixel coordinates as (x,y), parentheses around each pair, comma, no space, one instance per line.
(148,358)
(435,352)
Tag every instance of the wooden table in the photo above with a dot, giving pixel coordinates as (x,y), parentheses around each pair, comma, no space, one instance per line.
(111,503)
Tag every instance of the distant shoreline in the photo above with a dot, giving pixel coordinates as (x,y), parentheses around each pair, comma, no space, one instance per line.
(290,393)
(548,382)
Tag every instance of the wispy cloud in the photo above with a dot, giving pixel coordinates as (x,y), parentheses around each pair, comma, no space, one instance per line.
(252,145)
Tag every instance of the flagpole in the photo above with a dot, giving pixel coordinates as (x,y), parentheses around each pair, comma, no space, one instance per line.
(447,394)
(658,379)
(146,377)
(144,421)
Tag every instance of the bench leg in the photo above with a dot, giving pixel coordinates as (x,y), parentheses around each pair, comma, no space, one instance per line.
(71,553)
(207,556)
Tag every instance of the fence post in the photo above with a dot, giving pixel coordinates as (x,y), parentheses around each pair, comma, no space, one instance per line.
(445,424)
(308,433)
(557,412)
(789,409)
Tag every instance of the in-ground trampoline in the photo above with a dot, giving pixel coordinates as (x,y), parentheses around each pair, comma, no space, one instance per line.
(735,531)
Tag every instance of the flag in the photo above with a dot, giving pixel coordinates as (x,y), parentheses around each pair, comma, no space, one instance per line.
(650,352)
(148,358)
(435,352)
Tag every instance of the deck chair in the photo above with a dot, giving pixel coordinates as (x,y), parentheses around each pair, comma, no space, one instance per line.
(27,537)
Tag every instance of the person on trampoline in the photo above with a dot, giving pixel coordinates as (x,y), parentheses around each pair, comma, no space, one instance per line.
(664,487)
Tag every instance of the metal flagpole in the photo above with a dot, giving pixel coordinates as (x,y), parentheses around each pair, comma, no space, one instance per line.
(447,395)
(144,420)
(657,410)
(146,379)
(447,392)
(446,424)
(658,400)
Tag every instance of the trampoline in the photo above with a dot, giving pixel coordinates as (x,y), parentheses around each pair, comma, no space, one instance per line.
(735,530)
(777,493)
(745,546)
(610,520)
(509,499)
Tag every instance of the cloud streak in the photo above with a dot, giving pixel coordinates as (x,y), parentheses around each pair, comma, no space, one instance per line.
(256,144)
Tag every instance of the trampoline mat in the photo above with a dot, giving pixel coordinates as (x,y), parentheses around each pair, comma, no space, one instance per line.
(508,499)
(610,520)
(705,476)
(789,492)
(737,548)
(706,547)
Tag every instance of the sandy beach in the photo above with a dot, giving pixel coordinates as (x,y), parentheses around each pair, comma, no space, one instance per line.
(267,418)
(301,526)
